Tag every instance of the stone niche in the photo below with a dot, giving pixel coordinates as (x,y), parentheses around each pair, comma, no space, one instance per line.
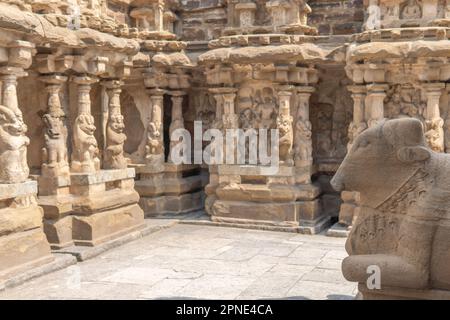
(246,17)
(154,19)
(406,13)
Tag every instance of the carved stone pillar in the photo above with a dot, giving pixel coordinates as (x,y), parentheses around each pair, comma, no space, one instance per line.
(376,95)
(159,15)
(155,134)
(434,131)
(85,148)
(13,142)
(303,128)
(177,116)
(55,160)
(284,125)
(115,138)
(230,118)
(358,123)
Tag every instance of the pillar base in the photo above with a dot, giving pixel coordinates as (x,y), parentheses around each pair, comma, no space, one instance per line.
(176,190)
(100,207)
(391,293)
(23,245)
(246,195)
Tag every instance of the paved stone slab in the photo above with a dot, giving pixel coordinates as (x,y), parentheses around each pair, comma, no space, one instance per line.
(193,262)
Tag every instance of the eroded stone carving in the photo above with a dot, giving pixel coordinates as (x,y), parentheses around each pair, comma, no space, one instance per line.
(13,147)
(401,227)
(85,151)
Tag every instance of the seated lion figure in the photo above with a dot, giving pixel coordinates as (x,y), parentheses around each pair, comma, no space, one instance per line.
(404,223)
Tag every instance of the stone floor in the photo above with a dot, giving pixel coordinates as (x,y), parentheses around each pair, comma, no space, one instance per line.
(193,261)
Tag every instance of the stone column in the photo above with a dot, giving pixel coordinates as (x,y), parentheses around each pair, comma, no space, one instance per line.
(55,160)
(358,123)
(434,131)
(13,142)
(155,133)
(303,128)
(230,118)
(159,15)
(115,138)
(284,125)
(376,95)
(85,148)
(177,116)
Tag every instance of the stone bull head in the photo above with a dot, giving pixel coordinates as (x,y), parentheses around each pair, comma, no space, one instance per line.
(381,159)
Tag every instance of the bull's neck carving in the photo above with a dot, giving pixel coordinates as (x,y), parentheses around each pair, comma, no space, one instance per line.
(407,194)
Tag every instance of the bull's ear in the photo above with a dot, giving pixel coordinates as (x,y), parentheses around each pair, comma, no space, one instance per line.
(413,154)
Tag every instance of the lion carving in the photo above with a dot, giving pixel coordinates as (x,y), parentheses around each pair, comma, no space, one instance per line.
(115,139)
(55,150)
(403,226)
(85,152)
(13,147)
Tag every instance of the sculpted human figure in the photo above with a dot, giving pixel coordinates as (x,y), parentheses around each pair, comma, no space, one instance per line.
(114,157)
(434,134)
(284,125)
(85,153)
(55,150)
(266,109)
(154,140)
(303,142)
(404,193)
(13,147)
(412,10)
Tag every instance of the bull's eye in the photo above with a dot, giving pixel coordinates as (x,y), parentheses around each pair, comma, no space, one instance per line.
(363,143)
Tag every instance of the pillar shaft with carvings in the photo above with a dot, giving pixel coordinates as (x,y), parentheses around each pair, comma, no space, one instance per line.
(376,95)
(284,125)
(85,147)
(55,160)
(115,138)
(358,123)
(434,131)
(303,128)
(177,121)
(13,141)
(155,133)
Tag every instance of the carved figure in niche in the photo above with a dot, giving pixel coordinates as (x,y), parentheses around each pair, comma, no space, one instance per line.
(247,119)
(154,140)
(266,107)
(114,158)
(373,21)
(85,153)
(404,193)
(434,134)
(13,147)
(404,102)
(304,10)
(354,130)
(303,142)
(54,153)
(284,125)
(262,16)
(411,10)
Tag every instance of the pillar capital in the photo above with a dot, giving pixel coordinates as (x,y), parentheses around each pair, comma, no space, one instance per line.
(112,84)
(84,80)
(53,79)
(434,88)
(377,88)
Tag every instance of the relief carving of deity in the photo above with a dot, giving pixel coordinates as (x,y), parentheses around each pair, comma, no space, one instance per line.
(411,10)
